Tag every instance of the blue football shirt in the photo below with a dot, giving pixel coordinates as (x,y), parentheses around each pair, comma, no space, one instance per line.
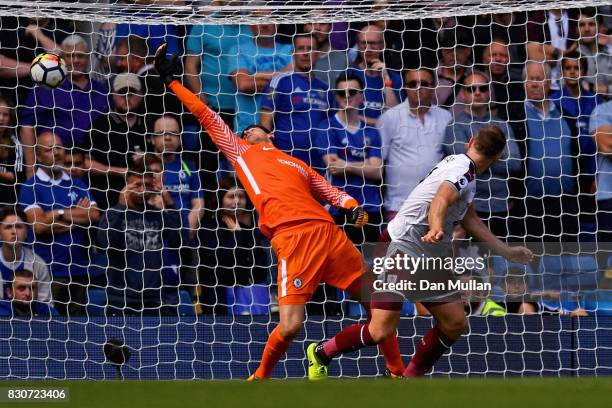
(300,104)
(183,182)
(333,138)
(374,91)
(64,252)
(215,43)
(246,55)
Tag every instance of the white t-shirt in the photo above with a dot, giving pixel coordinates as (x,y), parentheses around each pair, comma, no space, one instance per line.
(458,170)
(34,263)
(410,148)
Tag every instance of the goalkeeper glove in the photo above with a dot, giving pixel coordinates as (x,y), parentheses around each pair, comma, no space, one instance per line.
(356,215)
(165,66)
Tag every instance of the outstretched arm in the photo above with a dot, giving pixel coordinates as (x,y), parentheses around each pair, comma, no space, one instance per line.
(481,233)
(225,139)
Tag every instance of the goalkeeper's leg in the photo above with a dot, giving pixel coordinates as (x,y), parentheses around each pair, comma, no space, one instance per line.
(289,326)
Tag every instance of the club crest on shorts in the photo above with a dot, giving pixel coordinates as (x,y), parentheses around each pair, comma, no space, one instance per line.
(297,282)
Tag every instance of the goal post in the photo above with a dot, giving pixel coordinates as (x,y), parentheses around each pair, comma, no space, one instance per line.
(183,285)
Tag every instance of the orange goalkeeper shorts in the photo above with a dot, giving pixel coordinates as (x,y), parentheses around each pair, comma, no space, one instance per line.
(311,253)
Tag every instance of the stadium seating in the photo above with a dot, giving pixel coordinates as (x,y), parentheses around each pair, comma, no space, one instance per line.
(599,302)
(568,272)
(186,307)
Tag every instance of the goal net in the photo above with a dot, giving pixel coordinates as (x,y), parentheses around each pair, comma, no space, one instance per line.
(129,249)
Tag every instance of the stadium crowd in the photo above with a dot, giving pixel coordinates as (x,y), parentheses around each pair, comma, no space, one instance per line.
(110,189)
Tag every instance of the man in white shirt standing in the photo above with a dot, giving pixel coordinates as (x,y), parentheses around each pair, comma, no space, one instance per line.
(412,134)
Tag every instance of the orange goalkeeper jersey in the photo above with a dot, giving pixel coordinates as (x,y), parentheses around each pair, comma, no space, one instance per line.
(283,189)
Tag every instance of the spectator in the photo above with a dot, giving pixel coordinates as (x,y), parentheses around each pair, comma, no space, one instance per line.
(11,154)
(518,301)
(477,302)
(508,92)
(550,209)
(74,165)
(59,209)
(138,233)
(232,254)
(412,134)
(118,138)
(455,55)
(68,110)
(576,105)
(155,34)
(182,180)
(295,103)
(20,298)
(352,154)
(254,65)
(208,62)
(597,49)
(103,45)
(600,127)
(330,63)
(131,55)
(550,34)
(492,192)
(15,256)
(509,29)
(382,86)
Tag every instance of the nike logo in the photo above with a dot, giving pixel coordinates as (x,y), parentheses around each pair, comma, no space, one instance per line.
(268,148)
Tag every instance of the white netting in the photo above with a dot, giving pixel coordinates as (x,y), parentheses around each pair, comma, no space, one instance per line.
(189,284)
(248,12)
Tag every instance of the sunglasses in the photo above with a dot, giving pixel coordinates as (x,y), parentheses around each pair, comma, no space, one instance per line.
(481,88)
(351,92)
(418,84)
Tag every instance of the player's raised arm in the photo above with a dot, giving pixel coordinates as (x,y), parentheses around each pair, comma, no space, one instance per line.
(446,195)
(481,233)
(225,139)
(337,198)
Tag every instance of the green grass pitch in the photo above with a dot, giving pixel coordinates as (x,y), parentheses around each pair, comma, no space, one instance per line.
(491,393)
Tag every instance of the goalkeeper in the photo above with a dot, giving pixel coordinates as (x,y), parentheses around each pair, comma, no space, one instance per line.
(309,246)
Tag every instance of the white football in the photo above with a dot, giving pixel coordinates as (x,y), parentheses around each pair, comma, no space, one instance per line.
(48,70)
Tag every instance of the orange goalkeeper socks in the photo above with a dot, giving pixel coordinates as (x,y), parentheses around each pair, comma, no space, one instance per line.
(274,350)
(391,352)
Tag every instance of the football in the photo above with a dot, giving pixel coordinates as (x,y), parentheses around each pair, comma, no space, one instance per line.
(48,70)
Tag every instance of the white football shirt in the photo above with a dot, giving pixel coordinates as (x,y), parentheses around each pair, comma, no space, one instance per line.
(458,170)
